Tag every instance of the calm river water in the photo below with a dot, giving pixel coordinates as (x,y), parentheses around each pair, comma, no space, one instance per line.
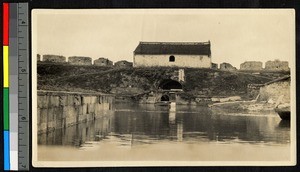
(148,132)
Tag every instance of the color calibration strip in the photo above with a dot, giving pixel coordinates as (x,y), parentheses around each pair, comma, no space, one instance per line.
(15,86)
(6,86)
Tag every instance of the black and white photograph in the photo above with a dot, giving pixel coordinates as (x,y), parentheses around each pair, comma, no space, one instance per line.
(163,87)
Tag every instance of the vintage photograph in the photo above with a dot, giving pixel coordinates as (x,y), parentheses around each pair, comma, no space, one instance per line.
(163,87)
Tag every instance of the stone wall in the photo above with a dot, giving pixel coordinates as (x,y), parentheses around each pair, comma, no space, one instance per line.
(277,65)
(78,60)
(103,62)
(251,65)
(253,90)
(271,92)
(62,109)
(123,63)
(227,66)
(54,58)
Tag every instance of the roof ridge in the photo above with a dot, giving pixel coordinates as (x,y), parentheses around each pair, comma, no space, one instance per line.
(190,48)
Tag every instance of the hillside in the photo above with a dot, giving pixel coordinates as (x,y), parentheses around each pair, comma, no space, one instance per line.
(134,81)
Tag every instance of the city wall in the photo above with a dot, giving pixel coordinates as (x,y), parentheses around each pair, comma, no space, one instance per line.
(80,60)
(254,66)
(62,109)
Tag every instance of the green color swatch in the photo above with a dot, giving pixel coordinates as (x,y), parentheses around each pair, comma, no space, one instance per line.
(6,108)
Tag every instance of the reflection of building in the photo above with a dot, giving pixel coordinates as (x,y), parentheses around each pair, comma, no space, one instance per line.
(179,131)
(79,133)
(168,54)
(176,125)
(172,117)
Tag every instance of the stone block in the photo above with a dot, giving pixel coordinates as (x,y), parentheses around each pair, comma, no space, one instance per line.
(43,101)
(54,101)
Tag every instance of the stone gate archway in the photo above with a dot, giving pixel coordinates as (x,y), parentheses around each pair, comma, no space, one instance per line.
(169,84)
(165,98)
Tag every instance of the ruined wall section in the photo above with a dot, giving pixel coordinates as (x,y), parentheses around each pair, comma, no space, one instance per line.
(78,60)
(38,57)
(123,63)
(214,65)
(54,58)
(277,65)
(251,65)
(227,67)
(103,62)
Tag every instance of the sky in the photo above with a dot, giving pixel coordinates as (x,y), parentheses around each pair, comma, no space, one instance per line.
(236,36)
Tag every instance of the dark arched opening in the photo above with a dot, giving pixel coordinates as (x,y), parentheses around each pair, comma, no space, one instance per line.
(171,59)
(169,84)
(165,98)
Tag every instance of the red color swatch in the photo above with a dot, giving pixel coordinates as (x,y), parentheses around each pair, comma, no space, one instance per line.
(5,24)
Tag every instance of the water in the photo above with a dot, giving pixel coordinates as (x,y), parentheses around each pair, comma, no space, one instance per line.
(136,130)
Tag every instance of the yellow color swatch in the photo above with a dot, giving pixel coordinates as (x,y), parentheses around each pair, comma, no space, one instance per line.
(5,67)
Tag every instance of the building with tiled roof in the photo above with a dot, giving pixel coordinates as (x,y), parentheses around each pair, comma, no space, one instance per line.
(172,54)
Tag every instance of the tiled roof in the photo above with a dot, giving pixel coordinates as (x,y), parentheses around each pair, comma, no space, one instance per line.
(183,48)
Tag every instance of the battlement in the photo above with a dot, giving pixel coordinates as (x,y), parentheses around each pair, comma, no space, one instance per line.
(272,66)
(78,60)
(81,60)
(54,58)
(251,65)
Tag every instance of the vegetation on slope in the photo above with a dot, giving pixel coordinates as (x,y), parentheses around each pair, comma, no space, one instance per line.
(135,81)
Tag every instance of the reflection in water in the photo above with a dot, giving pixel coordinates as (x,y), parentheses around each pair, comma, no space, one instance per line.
(134,124)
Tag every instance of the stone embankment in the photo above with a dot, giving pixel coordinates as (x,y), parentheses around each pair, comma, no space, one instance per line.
(268,96)
(58,109)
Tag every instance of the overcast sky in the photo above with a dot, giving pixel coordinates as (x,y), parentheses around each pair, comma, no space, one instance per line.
(236,35)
